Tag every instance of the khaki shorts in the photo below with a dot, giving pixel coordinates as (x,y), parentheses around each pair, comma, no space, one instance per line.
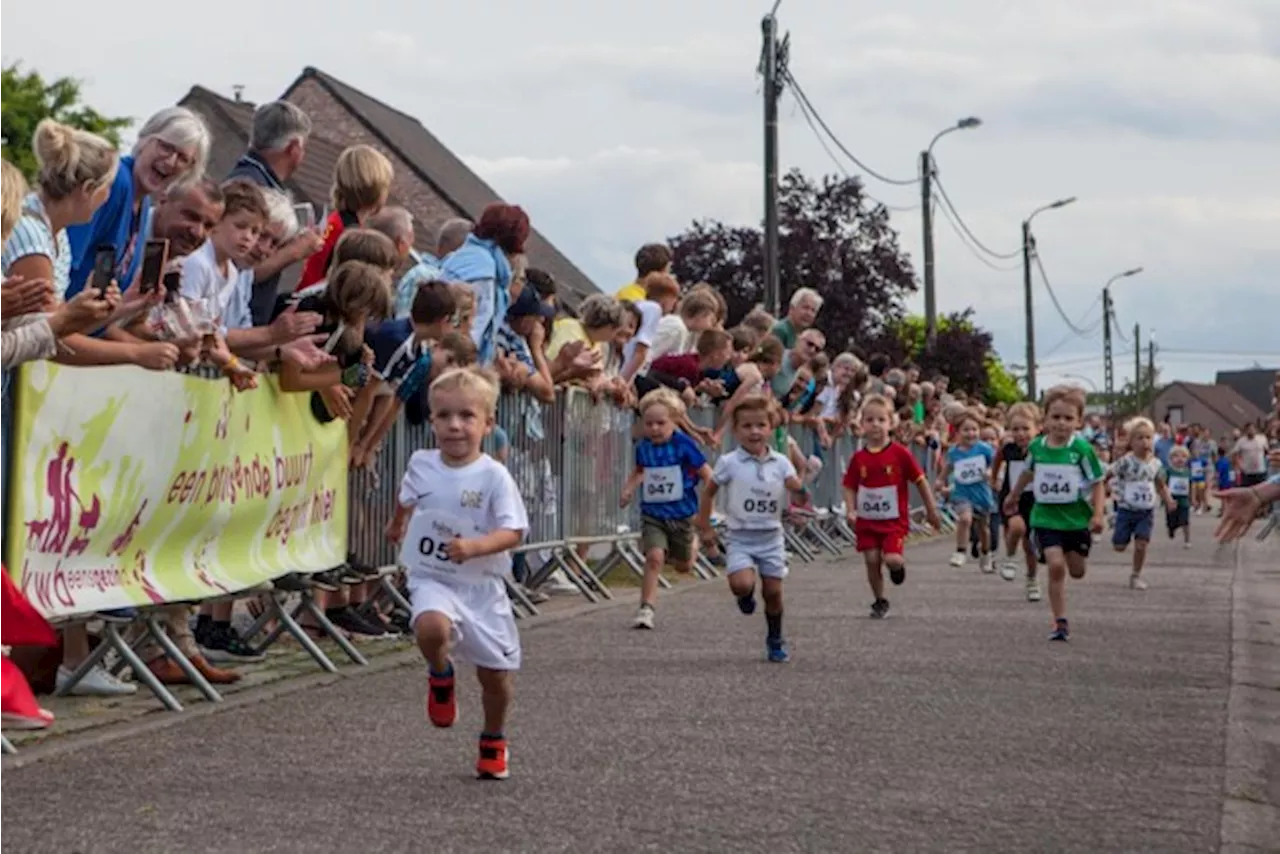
(673,536)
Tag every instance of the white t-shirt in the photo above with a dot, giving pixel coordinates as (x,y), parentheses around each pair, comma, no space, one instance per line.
(671,338)
(650,317)
(225,294)
(1253,454)
(450,502)
(755,487)
(828,399)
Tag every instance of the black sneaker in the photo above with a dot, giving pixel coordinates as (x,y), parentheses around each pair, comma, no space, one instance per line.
(897,574)
(879,609)
(223,645)
(349,620)
(399,621)
(374,617)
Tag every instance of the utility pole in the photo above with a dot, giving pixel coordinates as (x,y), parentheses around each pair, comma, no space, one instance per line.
(1028,247)
(1151,377)
(1137,369)
(1108,366)
(926,217)
(769,66)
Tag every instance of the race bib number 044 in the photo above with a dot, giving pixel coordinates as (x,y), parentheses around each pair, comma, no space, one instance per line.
(1056,484)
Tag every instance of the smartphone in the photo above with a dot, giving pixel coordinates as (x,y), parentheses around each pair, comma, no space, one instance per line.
(306,213)
(104,266)
(155,256)
(172,282)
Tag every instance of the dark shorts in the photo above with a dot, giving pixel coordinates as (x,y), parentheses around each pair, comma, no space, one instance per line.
(1025,502)
(1132,525)
(1179,518)
(1071,542)
(1248,480)
(673,536)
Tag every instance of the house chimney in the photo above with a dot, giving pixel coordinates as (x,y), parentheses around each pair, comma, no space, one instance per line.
(237,90)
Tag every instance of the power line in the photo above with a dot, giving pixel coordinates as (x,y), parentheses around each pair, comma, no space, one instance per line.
(800,95)
(804,111)
(1072,336)
(1035,255)
(973,251)
(946,201)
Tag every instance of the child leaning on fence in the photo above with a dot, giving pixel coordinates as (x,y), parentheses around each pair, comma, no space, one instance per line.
(459,516)
(668,469)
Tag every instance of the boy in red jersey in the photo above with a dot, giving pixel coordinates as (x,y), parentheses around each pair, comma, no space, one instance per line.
(875,498)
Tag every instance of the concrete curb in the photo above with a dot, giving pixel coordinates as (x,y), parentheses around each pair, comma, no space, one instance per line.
(1251,784)
(161,719)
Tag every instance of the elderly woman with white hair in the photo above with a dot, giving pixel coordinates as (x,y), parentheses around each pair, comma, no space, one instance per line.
(173,145)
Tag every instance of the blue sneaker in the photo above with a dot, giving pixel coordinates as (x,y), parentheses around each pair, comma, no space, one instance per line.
(747,604)
(1060,631)
(778,651)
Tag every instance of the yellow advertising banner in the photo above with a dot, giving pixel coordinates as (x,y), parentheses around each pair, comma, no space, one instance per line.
(131,487)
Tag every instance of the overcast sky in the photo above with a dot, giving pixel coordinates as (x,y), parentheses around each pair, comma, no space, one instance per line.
(618,123)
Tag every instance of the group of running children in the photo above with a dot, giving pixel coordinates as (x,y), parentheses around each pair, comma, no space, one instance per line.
(460,514)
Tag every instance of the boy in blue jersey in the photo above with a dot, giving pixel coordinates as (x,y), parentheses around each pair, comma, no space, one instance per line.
(668,469)
(967,483)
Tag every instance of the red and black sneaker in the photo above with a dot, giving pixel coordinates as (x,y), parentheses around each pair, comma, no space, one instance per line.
(442,701)
(492,764)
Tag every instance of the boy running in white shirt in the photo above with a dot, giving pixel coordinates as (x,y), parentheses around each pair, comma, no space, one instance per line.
(459,517)
(757,480)
(1137,479)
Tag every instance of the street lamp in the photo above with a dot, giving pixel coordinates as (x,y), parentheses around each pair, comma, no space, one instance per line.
(1109,372)
(926,217)
(1028,247)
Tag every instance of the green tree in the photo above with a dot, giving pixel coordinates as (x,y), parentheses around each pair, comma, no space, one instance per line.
(26,98)
(963,351)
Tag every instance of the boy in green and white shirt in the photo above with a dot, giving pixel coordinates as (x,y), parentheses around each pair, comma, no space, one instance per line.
(1061,467)
(1178,476)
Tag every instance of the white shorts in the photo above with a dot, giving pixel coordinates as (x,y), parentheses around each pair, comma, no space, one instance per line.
(765,551)
(484,626)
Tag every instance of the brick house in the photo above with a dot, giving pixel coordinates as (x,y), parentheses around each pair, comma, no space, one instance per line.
(1219,407)
(430,181)
(1256,385)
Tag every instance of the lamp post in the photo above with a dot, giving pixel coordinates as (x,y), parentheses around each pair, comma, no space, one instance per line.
(1109,372)
(926,216)
(1028,247)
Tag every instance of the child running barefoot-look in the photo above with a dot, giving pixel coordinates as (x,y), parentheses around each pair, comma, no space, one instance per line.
(1179,478)
(1023,421)
(668,468)
(875,495)
(459,517)
(968,475)
(1136,479)
(756,479)
(1060,466)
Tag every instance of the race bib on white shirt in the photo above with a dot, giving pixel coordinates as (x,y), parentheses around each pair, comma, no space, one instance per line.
(1197,468)
(970,470)
(878,503)
(1140,495)
(663,485)
(757,503)
(1056,483)
(1179,485)
(1016,468)
(425,546)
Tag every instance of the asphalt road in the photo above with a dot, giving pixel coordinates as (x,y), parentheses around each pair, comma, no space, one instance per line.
(952,726)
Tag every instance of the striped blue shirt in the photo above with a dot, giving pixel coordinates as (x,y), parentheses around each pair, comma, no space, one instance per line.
(670,486)
(424,271)
(31,236)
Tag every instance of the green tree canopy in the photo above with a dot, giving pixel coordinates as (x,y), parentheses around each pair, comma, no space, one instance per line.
(963,351)
(26,98)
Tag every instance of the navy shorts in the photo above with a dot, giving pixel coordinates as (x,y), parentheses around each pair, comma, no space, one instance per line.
(1132,525)
(1180,517)
(1071,542)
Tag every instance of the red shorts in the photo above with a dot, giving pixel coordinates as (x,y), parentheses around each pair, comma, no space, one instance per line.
(886,542)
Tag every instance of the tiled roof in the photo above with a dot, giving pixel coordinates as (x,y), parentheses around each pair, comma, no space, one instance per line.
(443,171)
(1225,401)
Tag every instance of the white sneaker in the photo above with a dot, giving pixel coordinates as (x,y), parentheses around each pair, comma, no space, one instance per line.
(1137,582)
(1008,570)
(987,564)
(96,683)
(1186,545)
(644,618)
(557,583)
(957,559)
(1033,590)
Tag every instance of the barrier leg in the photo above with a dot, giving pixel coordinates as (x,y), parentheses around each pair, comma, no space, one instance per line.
(519,600)
(582,575)
(388,587)
(7,747)
(317,613)
(286,623)
(111,636)
(96,655)
(798,545)
(156,631)
(815,530)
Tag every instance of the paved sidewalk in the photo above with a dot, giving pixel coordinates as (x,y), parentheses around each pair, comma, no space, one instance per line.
(953,726)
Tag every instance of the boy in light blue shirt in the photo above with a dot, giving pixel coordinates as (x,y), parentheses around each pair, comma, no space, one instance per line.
(967,483)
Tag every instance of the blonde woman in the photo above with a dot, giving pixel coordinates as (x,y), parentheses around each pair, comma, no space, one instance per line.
(361,185)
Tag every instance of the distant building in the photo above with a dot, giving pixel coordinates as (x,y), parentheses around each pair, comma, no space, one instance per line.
(431,181)
(1219,407)
(1256,385)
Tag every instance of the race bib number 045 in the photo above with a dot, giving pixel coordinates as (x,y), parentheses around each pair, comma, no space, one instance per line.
(878,504)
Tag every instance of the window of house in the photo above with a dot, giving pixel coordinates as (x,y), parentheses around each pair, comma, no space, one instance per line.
(1175,415)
